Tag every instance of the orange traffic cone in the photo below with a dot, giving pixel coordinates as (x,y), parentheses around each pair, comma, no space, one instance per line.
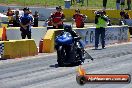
(4,36)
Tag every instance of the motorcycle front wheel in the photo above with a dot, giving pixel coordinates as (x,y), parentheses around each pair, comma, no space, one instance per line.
(61,56)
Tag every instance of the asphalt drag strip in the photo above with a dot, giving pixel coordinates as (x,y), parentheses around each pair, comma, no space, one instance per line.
(42,71)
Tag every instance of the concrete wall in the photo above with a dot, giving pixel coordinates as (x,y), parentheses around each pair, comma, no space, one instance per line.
(114,34)
(13,33)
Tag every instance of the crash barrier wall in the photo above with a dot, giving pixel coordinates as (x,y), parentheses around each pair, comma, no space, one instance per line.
(128,22)
(48,43)
(114,34)
(17,48)
(13,33)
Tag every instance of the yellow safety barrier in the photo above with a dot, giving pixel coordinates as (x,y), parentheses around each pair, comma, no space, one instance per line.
(113,14)
(48,43)
(19,48)
(32,48)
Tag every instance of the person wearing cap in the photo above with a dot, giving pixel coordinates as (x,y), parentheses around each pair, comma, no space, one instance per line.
(36,17)
(25,24)
(101,23)
(68,28)
(16,18)
(57,18)
(79,18)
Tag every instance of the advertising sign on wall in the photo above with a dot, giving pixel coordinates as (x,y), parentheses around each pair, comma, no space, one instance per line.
(112,35)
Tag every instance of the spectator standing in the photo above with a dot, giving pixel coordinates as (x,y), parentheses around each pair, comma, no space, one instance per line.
(122,3)
(9,12)
(129,4)
(101,24)
(10,16)
(118,4)
(36,16)
(16,18)
(25,24)
(57,18)
(104,4)
(79,18)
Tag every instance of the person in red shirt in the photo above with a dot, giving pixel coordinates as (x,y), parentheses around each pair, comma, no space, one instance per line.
(79,19)
(57,18)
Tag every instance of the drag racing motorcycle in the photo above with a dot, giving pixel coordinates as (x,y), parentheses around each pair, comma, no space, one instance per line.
(69,51)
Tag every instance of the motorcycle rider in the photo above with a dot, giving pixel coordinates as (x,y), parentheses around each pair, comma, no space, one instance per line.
(76,38)
(68,28)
